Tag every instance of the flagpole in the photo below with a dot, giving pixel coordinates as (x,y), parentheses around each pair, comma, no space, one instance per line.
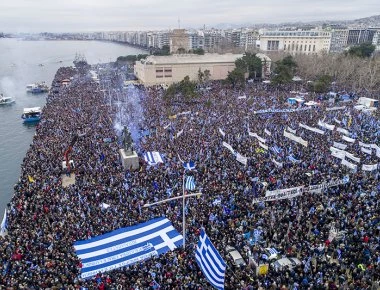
(183,209)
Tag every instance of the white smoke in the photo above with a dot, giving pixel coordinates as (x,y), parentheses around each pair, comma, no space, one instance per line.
(7,87)
(129,113)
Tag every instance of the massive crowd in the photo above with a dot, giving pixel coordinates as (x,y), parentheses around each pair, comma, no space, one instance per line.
(45,218)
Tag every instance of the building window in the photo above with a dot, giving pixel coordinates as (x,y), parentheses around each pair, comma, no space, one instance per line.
(159,76)
(309,47)
(301,47)
(284,46)
(314,47)
(159,70)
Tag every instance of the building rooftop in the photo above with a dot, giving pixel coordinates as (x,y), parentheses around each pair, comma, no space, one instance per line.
(195,58)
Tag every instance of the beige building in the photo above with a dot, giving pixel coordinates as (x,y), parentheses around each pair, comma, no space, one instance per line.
(173,68)
(305,42)
(179,40)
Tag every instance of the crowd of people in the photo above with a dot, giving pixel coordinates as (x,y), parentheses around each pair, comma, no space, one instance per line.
(46,218)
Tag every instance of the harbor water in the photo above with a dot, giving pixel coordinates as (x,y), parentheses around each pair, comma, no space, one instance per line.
(24,62)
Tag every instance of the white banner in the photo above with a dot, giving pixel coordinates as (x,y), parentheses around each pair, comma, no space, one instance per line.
(325,125)
(281,110)
(242,97)
(349,164)
(316,130)
(296,191)
(322,186)
(184,113)
(291,130)
(179,133)
(282,194)
(366,145)
(285,190)
(257,137)
(338,154)
(348,139)
(295,138)
(229,147)
(241,159)
(222,132)
(343,131)
(340,145)
(366,150)
(337,121)
(335,108)
(263,146)
(278,164)
(352,157)
(267,132)
(366,167)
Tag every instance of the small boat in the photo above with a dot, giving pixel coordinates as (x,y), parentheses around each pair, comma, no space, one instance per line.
(31,115)
(6,100)
(37,88)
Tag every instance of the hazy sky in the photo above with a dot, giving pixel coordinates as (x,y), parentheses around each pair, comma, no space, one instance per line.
(100,15)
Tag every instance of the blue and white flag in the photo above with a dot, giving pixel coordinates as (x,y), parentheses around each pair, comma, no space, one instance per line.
(307,267)
(276,149)
(272,251)
(190,184)
(4,223)
(292,159)
(153,158)
(127,246)
(210,261)
(189,165)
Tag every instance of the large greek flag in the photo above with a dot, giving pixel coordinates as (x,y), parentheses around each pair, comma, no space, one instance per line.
(210,262)
(127,246)
(153,158)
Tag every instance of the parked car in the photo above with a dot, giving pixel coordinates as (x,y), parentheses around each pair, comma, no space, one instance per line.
(235,255)
(282,263)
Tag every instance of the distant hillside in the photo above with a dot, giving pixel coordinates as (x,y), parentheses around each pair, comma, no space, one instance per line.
(372,21)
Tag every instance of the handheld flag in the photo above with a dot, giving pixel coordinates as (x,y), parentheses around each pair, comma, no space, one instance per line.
(190,184)
(210,261)
(153,158)
(189,165)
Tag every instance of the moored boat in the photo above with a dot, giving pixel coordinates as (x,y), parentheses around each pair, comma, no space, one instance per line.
(37,88)
(31,115)
(6,100)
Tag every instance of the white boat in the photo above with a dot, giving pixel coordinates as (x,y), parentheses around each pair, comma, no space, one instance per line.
(31,115)
(6,100)
(37,88)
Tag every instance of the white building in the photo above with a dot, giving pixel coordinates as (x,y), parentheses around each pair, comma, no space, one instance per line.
(305,42)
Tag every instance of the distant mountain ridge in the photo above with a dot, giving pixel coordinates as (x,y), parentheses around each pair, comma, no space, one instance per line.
(371,21)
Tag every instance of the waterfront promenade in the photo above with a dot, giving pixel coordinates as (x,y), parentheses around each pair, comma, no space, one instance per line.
(45,218)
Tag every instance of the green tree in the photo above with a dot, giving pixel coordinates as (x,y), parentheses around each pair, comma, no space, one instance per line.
(200,76)
(251,64)
(322,84)
(207,75)
(199,51)
(236,77)
(185,89)
(363,50)
(284,70)
(181,50)
(165,50)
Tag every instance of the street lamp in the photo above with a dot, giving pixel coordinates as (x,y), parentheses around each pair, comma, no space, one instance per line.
(183,206)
